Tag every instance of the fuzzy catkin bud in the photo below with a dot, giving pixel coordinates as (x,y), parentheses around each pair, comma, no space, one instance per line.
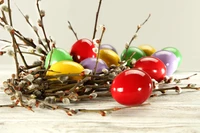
(10,52)
(70,27)
(95,50)
(135,36)
(87,71)
(105,71)
(93,95)
(139,26)
(9,28)
(39,49)
(178,89)
(27,17)
(39,23)
(66,101)
(29,77)
(31,50)
(5,84)
(1,2)
(35,28)
(42,13)
(4,8)
(127,45)
(32,102)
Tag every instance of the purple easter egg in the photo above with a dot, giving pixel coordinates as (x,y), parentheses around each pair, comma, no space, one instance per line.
(169,59)
(108,46)
(89,63)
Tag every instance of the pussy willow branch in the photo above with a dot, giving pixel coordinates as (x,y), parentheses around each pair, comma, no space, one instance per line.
(79,83)
(14,42)
(42,26)
(3,40)
(4,17)
(187,78)
(31,53)
(135,35)
(72,29)
(29,23)
(175,88)
(96,19)
(49,63)
(103,112)
(19,35)
(99,46)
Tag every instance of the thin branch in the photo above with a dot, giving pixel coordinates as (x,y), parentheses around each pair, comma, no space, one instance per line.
(29,23)
(31,53)
(3,40)
(72,29)
(13,41)
(135,35)
(189,86)
(96,19)
(4,17)
(49,63)
(42,26)
(99,46)
(79,83)
(187,78)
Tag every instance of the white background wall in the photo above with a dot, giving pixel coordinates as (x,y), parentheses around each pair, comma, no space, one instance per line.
(173,23)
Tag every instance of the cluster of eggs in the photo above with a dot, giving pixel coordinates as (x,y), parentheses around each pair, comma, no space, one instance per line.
(130,87)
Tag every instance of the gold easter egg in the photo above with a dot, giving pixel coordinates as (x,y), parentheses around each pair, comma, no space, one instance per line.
(148,49)
(109,57)
(65,67)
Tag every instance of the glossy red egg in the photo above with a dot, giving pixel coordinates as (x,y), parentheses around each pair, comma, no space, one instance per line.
(153,66)
(131,87)
(82,49)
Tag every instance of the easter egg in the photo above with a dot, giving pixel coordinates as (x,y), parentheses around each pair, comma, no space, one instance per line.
(132,55)
(131,87)
(90,63)
(108,46)
(65,67)
(109,57)
(153,66)
(176,52)
(82,49)
(56,55)
(169,59)
(148,49)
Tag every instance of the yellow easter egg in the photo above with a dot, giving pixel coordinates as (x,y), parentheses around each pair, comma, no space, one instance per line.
(65,67)
(109,57)
(148,49)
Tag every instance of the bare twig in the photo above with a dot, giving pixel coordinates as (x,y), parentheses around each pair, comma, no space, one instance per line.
(135,35)
(189,86)
(187,78)
(72,29)
(79,83)
(49,63)
(3,40)
(42,25)
(103,112)
(96,19)
(99,46)
(13,41)
(29,23)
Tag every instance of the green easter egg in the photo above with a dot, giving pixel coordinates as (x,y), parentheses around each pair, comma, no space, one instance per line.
(176,52)
(57,55)
(126,54)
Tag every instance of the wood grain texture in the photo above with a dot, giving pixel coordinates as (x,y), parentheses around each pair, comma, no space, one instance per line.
(177,113)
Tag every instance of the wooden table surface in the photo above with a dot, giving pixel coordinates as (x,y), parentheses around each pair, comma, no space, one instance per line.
(175,113)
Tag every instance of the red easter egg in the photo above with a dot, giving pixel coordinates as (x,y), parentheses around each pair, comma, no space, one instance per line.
(82,49)
(131,87)
(153,66)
